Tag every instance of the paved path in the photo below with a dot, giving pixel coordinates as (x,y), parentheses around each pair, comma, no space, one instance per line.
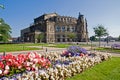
(45,49)
(51,49)
(115,54)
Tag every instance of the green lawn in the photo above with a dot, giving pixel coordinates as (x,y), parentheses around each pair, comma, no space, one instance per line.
(15,47)
(108,50)
(23,47)
(66,45)
(107,70)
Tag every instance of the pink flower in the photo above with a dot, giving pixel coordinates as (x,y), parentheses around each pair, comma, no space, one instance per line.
(1,65)
(6,72)
(20,61)
(20,66)
(35,60)
(33,69)
(28,64)
(33,66)
(7,67)
(28,68)
(46,66)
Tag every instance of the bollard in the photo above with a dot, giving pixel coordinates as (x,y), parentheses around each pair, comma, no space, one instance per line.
(4,53)
(91,45)
(46,49)
(4,62)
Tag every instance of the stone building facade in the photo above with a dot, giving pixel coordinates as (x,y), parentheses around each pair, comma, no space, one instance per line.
(56,28)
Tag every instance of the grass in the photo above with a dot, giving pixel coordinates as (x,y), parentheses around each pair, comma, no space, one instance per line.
(61,45)
(107,70)
(15,47)
(108,50)
(66,45)
(24,47)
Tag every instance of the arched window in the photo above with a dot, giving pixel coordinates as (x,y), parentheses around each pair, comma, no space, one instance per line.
(58,29)
(63,29)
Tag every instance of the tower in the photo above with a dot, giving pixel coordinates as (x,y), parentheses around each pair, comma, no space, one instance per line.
(50,32)
(86,37)
(82,32)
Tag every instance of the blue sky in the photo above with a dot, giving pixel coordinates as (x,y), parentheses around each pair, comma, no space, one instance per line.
(19,14)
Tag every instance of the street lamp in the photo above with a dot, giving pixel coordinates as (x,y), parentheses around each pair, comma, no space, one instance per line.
(91,44)
(107,39)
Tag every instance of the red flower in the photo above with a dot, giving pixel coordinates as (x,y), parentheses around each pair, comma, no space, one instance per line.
(1,65)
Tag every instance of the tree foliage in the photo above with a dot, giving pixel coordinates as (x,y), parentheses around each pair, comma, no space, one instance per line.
(72,35)
(40,37)
(5,31)
(93,38)
(2,6)
(119,38)
(100,31)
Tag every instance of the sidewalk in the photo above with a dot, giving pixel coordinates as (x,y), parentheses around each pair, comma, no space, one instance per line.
(45,49)
(51,49)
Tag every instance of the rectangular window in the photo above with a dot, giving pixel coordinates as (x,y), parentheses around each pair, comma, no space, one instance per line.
(68,29)
(58,36)
(73,29)
(58,40)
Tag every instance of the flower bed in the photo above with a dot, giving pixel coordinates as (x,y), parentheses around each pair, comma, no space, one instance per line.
(51,66)
(10,64)
(115,46)
(74,51)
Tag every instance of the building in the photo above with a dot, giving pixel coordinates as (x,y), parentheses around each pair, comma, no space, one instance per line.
(51,28)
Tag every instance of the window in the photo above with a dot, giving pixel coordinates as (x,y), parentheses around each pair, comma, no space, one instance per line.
(59,19)
(68,29)
(58,36)
(73,29)
(58,40)
(63,29)
(63,40)
(57,29)
(62,36)
(68,39)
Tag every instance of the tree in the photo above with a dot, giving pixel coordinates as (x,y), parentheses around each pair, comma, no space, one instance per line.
(2,6)
(71,35)
(119,38)
(100,31)
(5,31)
(40,37)
(93,38)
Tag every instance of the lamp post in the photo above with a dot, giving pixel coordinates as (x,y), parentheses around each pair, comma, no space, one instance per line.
(91,44)
(107,39)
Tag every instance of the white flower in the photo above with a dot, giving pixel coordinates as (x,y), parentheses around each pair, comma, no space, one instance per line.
(7,67)
(35,60)
(42,72)
(29,63)
(33,65)
(0,71)
(58,66)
